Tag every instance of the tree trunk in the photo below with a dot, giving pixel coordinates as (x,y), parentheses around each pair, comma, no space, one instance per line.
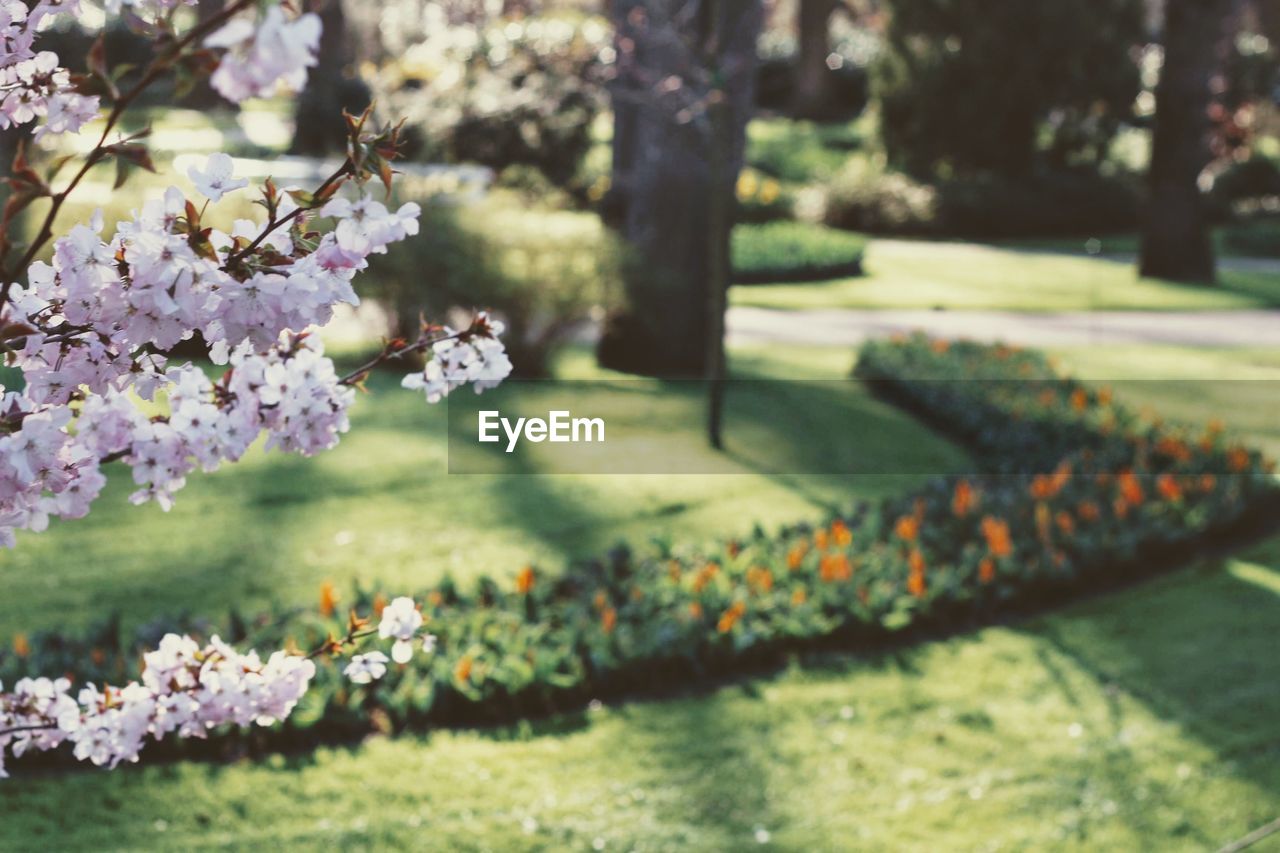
(202,95)
(811,96)
(319,127)
(1175,235)
(662,191)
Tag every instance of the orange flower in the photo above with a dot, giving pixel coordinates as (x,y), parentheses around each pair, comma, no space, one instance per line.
(1121,507)
(841,534)
(1065,522)
(1130,488)
(1088,511)
(733,548)
(1217,426)
(1047,397)
(1104,395)
(799,596)
(915,575)
(21,645)
(1045,486)
(462,672)
(674,570)
(637,593)
(1168,487)
(601,600)
(759,579)
(609,620)
(1173,447)
(796,555)
(1041,487)
(1238,459)
(704,576)
(820,539)
(524,580)
(907,528)
(730,617)
(963,499)
(328,599)
(940,346)
(1208,482)
(1079,400)
(695,610)
(835,567)
(986,570)
(996,532)
(434,598)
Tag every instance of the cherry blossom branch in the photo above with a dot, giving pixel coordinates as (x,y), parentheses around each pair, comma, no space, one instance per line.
(396,349)
(111,725)
(157,68)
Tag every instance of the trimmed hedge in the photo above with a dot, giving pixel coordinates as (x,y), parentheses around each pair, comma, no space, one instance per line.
(1043,524)
(794,251)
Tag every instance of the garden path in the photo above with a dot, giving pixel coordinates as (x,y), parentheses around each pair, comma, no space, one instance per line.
(850,327)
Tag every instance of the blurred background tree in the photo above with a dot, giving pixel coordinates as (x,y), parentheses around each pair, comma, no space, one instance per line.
(682,95)
(975,86)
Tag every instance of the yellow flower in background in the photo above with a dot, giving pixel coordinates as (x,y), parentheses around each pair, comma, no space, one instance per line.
(769,191)
(748,185)
(21,645)
(598,188)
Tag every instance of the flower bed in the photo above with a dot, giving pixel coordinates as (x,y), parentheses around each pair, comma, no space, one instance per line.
(959,551)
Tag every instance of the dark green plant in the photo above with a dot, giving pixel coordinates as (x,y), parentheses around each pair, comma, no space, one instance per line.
(972,86)
(794,251)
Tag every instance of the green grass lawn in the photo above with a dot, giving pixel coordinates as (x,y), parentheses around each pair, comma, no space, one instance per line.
(1258,237)
(969,276)
(1137,720)
(1140,720)
(381,505)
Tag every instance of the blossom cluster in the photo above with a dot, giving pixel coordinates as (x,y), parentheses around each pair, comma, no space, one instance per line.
(33,83)
(476,357)
(186,689)
(90,329)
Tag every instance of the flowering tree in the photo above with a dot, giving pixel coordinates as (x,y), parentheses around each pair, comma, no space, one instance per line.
(89,330)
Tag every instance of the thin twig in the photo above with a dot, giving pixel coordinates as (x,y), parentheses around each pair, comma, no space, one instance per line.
(1253,837)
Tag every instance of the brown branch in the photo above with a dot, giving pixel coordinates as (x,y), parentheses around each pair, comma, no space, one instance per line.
(390,354)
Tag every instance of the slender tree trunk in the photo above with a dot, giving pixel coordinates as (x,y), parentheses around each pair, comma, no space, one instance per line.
(319,127)
(663,191)
(719,235)
(1175,235)
(811,94)
(202,95)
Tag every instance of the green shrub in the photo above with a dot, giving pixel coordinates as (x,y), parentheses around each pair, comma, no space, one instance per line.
(1257,236)
(794,251)
(1246,182)
(1036,529)
(800,151)
(864,196)
(542,271)
(970,87)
